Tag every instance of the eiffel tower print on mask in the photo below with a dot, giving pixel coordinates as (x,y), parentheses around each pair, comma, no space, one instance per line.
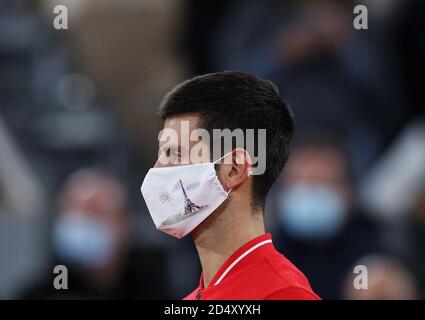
(190,209)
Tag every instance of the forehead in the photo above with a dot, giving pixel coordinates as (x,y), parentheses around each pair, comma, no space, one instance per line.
(178,122)
(178,129)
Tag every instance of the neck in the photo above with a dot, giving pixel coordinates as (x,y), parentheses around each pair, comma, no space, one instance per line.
(222,233)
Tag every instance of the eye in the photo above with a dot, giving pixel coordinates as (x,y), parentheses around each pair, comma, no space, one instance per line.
(173,154)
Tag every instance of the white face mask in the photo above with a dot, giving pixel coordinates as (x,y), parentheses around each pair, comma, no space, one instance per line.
(179,198)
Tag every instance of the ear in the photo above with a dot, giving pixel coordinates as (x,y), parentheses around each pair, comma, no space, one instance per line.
(235,168)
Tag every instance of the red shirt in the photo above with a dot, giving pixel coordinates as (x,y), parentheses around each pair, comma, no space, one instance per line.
(256,271)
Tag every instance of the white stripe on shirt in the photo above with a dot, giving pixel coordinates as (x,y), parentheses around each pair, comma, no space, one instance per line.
(240,258)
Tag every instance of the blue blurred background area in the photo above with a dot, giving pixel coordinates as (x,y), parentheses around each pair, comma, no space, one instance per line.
(78,132)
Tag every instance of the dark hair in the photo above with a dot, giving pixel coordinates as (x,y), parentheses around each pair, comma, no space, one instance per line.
(232,100)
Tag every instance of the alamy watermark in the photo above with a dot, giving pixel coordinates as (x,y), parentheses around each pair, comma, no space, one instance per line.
(60,282)
(60,21)
(361,19)
(184,147)
(360,281)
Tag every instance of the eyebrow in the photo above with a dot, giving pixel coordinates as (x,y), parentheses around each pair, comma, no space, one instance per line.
(167,144)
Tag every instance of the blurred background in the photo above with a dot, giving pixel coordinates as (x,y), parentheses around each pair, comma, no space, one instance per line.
(78,132)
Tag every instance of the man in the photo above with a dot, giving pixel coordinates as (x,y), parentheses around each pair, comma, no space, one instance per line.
(222,205)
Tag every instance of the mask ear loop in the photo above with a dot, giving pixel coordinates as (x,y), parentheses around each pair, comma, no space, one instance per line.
(249,171)
(215,162)
(222,157)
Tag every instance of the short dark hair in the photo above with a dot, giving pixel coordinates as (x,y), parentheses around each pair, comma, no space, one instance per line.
(232,100)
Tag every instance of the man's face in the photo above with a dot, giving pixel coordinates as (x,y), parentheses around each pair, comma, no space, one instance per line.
(178,140)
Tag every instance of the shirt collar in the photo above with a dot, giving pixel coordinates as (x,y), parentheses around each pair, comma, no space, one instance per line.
(236,257)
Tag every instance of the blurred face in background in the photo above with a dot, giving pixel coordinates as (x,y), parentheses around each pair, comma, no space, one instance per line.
(319,28)
(90,231)
(313,203)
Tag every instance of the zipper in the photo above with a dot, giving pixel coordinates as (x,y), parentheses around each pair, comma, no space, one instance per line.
(198,295)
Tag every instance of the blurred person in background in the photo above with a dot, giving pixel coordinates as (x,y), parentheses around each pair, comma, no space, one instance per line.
(320,226)
(91,237)
(335,77)
(199,27)
(387,188)
(387,279)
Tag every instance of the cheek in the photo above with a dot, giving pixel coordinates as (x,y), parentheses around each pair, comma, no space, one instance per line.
(220,173)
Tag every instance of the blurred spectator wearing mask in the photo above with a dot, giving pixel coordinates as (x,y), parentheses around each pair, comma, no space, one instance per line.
(320,227)
(91,237)
(387,279)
